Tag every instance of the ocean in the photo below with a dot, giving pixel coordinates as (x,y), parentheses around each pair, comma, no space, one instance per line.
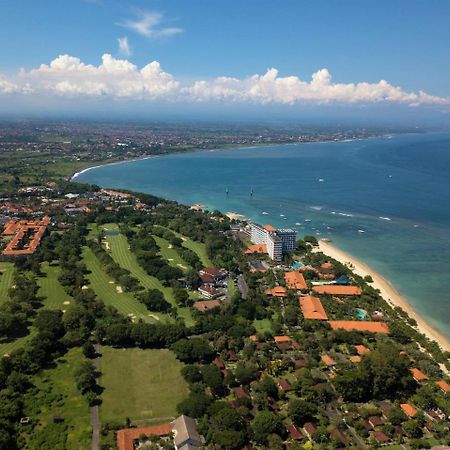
(384,200)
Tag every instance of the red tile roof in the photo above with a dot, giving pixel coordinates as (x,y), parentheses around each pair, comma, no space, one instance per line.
(279,339)
(256,248)
(355,325)
(362,349)
(126,437)
(277,291)
(328,360)
(312,308)
(269,228)
(294,432)
(443,385)
(295,280)
(410,410)
(334,289)
(418,375)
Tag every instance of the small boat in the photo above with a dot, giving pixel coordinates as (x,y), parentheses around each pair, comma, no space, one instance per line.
(265,213)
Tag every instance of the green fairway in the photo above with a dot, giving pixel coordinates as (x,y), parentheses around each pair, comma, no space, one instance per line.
(170,254)
(55,394)
(107,290)
(140,384)
(50,287)
(118,245)
(197,247)
(6,278)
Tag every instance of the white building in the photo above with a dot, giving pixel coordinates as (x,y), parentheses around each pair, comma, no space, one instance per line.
(278,242)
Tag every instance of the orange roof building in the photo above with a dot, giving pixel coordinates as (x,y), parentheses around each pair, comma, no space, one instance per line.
(362,349)
(418,375)
(127,437)
(270,228)
(328,360)
(334,289)
(295,280)
(355,358)
(408,409)
(445,387)
(279,339)
(312,308)
(277,291)
(356,325)
(256,248)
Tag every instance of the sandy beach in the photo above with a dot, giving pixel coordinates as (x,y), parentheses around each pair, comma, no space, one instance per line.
(387,290)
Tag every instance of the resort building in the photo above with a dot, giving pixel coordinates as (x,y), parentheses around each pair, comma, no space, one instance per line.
(334,289)
(295,280)
(312,308)
(277,241)
(355,325)
(26,236)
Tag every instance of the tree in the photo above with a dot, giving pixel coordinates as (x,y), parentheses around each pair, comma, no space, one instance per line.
(85,377)
(213,378)
(191,373)
(264,424)
(50,321)
(154,300)
(195,405)
(301,411)
(268,386)
(181,296)
(245,373)
(412,428)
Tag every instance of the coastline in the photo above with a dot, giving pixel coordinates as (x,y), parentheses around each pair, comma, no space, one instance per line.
(387,291)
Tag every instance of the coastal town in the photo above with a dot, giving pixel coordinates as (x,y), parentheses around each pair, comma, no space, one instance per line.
(160,326)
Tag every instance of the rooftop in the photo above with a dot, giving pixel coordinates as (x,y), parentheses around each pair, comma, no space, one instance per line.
(409,410)
(295,280)
(126,437)
(334,289)
(312,308)
(356,325)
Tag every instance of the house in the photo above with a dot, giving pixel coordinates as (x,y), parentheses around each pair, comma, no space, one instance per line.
(185,434)
(375,421)
(209,291)
(362,349)
(445,387)
(284,385)
(326,271)
(338,435)
(355,325)
(215,272)
(240,392)
(310,429)
(219,363)
(312,308)
(294,433)
(126,438)
(379,436)
(295,280)
(206,305)
(418,375)
(408,409)
(328,360)
(355,359)
(338,290)
(279,339)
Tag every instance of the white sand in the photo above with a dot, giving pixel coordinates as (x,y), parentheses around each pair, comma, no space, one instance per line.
(387,290)
(153,316)
(232,215)
(119,289)
(66,303)
(181,265)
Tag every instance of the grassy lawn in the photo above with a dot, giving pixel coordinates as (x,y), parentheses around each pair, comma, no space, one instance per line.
(56,394)
(6,278)
(125,258)
(262,325)
(106,289)
(140,384)
(50,287)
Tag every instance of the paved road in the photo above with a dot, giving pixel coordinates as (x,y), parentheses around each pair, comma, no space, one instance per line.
(95,417)
(243,288)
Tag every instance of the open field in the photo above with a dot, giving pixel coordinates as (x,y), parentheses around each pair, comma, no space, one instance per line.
(105,287)
(140,384)
(56,395)
(6,278)
(125,258)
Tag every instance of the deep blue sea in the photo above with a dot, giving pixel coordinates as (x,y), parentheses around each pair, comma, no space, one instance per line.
(384,200)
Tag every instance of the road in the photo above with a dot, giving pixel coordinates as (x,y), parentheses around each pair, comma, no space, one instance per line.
(95,417)
(243,288)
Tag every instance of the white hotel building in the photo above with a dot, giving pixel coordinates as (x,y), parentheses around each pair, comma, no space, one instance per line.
(278,241)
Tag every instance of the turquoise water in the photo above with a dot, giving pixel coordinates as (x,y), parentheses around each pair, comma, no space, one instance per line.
(387,201)
(297,265)
(361,313)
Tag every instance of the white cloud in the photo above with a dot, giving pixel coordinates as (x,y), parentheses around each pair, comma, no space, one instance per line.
(148,24)
(124,46)
(68,76)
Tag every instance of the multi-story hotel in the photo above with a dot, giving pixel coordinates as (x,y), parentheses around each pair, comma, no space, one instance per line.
(277,241)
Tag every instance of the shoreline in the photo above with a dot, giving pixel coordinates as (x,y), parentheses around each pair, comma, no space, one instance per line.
(389,293)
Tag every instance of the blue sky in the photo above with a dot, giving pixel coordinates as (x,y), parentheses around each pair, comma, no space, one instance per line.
(357,41)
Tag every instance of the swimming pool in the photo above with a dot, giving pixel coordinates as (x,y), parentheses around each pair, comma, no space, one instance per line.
(297,265)
(361,313)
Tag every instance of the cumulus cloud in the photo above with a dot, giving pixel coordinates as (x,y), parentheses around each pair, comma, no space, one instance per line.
(148,24)
(124,46)
(114,78)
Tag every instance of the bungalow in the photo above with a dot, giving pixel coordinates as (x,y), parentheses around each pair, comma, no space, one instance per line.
(240,392)
(326,271)
(375,421)
(379,436)
(362,349)
(279,339)
(215,272)
(355,359)
(219,363)
(418,375)
(338,290)
(445,387)
(312,308)
(408,409)
(338,435)
(284,385)
(295,280)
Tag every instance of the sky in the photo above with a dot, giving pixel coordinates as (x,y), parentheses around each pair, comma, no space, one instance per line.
(240,56)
